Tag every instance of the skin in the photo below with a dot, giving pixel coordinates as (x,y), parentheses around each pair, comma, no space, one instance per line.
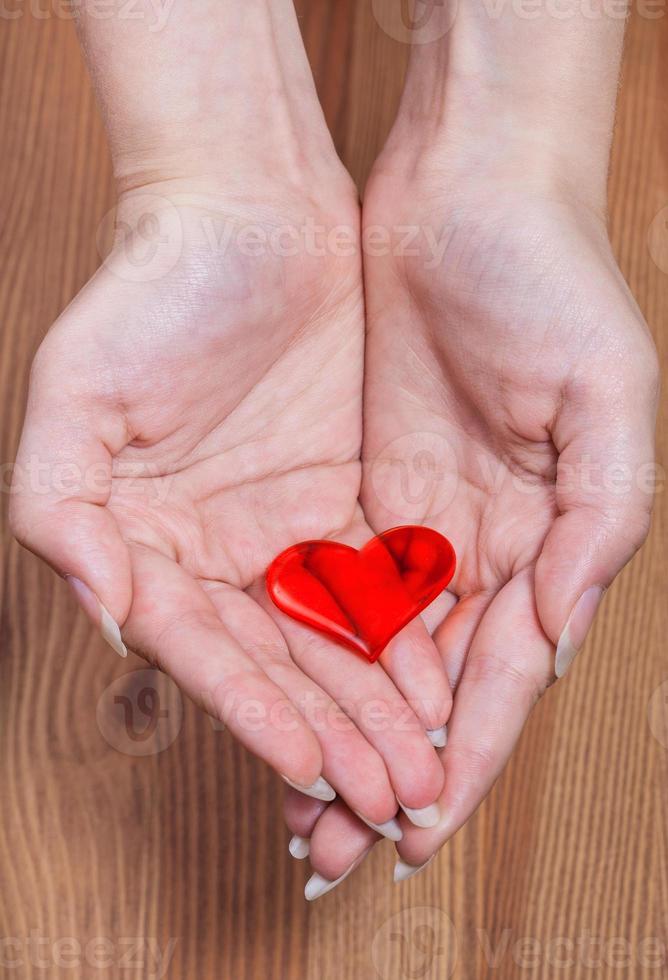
(493,377)
(528,545)
(210,399)
(510,383)
(200,482)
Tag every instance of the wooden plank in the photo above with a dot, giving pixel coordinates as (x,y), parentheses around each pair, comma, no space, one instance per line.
(188,845)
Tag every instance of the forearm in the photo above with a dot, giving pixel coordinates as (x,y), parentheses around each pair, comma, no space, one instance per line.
(201,86)
(520,94)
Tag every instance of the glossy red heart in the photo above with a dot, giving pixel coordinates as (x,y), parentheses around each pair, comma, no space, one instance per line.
(361,599)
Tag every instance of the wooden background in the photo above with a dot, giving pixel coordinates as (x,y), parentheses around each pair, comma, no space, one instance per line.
(188,844)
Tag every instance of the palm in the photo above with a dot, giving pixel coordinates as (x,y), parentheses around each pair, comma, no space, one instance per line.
(226,398)
(245,427)
(466,371)
(240,382)
(499,388)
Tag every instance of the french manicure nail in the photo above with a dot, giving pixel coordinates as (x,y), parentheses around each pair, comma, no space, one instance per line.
(403,871)
(99,614)
(389,829)
(318,885)
(427,816)
(438,736)
(319,790)
(299,847)
(576,629)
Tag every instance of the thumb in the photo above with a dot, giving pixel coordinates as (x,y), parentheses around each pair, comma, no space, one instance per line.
(604,498)
(60,488)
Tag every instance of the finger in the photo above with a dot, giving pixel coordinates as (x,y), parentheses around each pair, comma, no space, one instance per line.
(436,612)
(368,696)
(454,635)
(508,667)
(414,664)
(339,843)
(61,485)
(411,658)
(301,815)
(301,812)
(174,624)
(603,499)
(350,764)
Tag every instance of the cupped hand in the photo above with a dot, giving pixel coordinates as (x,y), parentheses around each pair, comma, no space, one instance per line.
(194,411)
(510,399)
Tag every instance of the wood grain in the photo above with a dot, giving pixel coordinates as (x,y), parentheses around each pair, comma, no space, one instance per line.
(188,844)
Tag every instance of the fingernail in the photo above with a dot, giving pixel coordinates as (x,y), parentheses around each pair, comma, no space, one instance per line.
(389,829)
(318,885)
(404,871)
(99,614)
(299,847)
(319,790)
(438,736)
(427,817)
(576,629)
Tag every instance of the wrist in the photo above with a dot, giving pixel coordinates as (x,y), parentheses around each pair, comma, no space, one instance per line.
(221,93)
(503,98)
(500,154)
(251,157)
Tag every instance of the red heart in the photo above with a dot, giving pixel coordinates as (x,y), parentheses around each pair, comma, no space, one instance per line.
(361,599)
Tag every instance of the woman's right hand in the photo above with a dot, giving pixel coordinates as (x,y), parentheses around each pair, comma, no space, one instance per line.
(189,417)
